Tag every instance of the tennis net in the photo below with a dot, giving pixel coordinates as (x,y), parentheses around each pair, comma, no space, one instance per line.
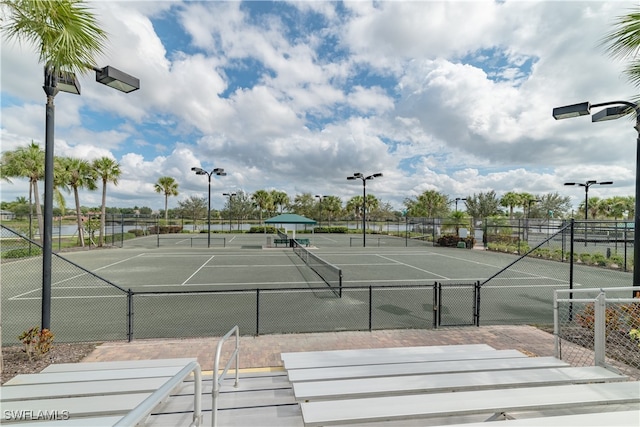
(329,273)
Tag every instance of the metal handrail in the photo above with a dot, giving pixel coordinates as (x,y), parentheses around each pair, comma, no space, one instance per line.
(600,303)
(144,409)
(216,366)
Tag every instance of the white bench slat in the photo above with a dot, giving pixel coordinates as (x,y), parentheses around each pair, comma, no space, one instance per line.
(124,364)
(80,406)
(84,388)
(367,358)
(368,371)
(438,383)
(309,357)
(609,419)
(104,375)
(468,402)
(75,422)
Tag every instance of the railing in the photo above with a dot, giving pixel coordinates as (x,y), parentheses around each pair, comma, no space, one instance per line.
(598,329)
(144,409)
(217,378)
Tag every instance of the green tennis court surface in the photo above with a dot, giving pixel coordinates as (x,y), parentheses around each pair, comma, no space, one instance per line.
(243,264)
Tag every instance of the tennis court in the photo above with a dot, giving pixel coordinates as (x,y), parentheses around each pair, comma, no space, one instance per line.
(214,285)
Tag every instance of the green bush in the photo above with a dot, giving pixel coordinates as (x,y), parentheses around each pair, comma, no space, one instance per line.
(598,259)
(337,230)
(21,252)
(269,229)
(136,232)
(165,229)
(585,258)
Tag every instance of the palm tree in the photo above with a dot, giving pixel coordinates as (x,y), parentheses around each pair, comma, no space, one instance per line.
(623,42)
(169,187)
(354,205)
(483,205)
(78,173)
(67,38)
(432,204)
(510,200)
(332,206)
(280,199)
(26,162)
(263,201)
(108,170)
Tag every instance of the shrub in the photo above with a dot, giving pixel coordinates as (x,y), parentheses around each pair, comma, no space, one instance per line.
(586,318)
(598,259)
(269,229)
(36,342)
(21,253)
(165,229)
(137,232)
(585,258)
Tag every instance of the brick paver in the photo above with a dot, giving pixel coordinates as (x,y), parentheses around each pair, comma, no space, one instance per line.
(264,351)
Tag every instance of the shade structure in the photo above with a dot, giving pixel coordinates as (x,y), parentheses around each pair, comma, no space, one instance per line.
(290,219)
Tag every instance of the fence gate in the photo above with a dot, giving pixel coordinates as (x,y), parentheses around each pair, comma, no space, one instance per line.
(456,304)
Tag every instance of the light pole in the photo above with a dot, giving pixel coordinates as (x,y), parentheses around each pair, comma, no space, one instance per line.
(619,109)
(54,82)
(586,186)
(320,207)
(364,179)
(527,215)
(217,172)
(458,199)
(229,195)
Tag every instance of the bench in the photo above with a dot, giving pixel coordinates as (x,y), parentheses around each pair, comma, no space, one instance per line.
(418,368)
(408,356)
(281,242)
(608,418)
(479,403)
(127,390)
(305,242)
(448,382)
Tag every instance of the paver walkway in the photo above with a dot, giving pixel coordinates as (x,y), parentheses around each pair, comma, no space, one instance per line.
(264,351)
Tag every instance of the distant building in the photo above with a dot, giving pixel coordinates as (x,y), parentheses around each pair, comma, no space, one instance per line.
(7,215)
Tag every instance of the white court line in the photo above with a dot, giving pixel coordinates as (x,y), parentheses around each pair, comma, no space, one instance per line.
(252,266)
(411,266)
(200,268)
(97,269)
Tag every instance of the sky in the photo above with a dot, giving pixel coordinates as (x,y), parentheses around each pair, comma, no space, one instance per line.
(451,96)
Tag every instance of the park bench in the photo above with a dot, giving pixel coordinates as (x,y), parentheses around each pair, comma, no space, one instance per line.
(305,242)
(281,242)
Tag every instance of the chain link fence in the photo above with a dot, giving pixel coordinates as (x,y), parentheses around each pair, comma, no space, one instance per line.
(84,307)
(598,327)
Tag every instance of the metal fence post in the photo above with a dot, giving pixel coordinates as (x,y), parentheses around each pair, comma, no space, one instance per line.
(599,327)
(556,327)
(370,307)
(129,315)
(257,312)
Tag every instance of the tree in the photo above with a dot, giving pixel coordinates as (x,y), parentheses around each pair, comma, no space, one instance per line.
(430,204)
(76,174)
(169,187)
(108,171)
(483,205)
(194,207)
(331,207)
(280,199)
(623,42)
(354,205)
(263,201)
(303,204)
(510,200)
(551,205)
(26,162)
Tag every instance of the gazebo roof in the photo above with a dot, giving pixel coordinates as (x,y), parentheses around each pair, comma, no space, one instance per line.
(289,219)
